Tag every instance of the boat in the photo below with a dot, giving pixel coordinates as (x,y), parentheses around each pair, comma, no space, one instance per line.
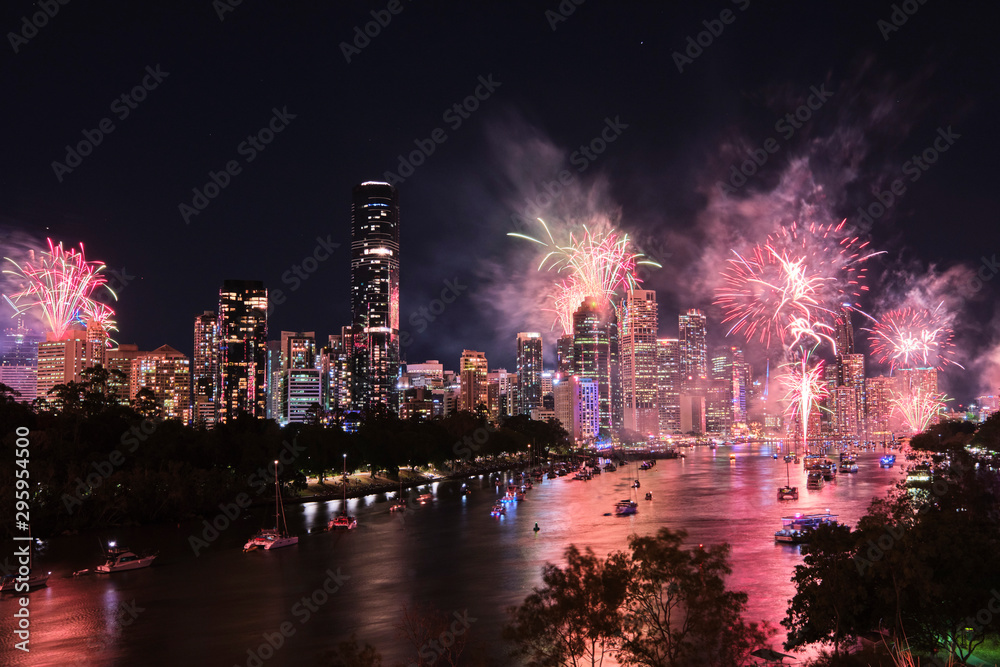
(788,492)
(513,494)
(119,559)
(552,474)
(649,495)
(887,461)
(789,458)
(498,510)
(400,504)
(11,583)
(466,491)
(626,507)
(797,529)
(732,458)
(343,520)
(814,480)
(610,467)
(277,537)
(635,484)
(424,498)
(848,465)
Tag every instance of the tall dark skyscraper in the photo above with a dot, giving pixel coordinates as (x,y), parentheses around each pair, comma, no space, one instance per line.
(375,295)
(592,356)
(845,332)
(242,369)
(638,361)
(529,372)
(693,348)
(204,370)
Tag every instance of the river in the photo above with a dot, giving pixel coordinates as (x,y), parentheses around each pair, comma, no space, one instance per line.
(215,608)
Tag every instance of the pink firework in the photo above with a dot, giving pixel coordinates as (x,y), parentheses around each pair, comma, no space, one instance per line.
(799,274)
(57,286)
(804,389)
(913,338)
(599,264)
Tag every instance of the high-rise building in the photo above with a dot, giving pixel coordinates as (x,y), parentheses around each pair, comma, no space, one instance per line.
(576,407)
(592,354)
(692,329)
(668,394)
(123,360)
(19,361)
(844,332)
(62,360)
(474,384)
(879,393)
(548,384)
(849,396)
(730,378)
(167,373)
(639,369)
(204,368)
(336,364)
(241,385)
(375,295)
(529,372)
(300,377)
(564,355)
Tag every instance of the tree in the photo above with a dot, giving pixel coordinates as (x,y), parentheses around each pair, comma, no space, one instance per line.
(678,610)
(145,403)
(350,654)
(575,619)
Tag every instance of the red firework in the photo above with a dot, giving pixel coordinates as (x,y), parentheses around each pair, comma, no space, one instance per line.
(913,338)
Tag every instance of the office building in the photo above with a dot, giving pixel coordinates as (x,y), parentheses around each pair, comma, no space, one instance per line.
(204,368)
(474,385)
(639,369)
(241,384)
(529,372)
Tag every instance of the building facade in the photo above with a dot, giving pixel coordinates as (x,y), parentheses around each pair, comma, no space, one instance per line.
(241,377)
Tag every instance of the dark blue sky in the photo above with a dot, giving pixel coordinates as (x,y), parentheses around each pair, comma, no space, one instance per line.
(553,90)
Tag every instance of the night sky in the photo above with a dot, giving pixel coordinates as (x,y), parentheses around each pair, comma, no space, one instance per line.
(556,81)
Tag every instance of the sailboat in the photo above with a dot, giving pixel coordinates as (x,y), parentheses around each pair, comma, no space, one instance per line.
(627,506)
(277,537)
(342,520)
(400,504)
(11,583)
(788,492)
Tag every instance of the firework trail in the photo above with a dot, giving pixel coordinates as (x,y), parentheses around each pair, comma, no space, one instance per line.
(918,407)
(913,337)
(793,281)
(804,389)
(597,263)
(57,285)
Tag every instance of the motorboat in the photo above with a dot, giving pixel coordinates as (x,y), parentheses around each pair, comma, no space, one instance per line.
(610,467)
(848,465)
(788,493)
(797,529)
(814,480)
(732,458)
(118,559)
(552,474)
(635,484)
(11,583)
(626,507)
(649,495)
(887,461)
(498,510)
(789,458)
(400,504)
(424,498)
(277,537)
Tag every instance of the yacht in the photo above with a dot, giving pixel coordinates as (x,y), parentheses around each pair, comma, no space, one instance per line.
(343,520)
(798,529)
(400,504)
(120,558)
(498,510)
(277,537)
(814,480)
(788,492)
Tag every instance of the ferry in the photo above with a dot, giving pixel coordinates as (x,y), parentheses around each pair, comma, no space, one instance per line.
(797,529)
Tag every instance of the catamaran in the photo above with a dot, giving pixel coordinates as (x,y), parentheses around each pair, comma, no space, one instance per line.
(277,537)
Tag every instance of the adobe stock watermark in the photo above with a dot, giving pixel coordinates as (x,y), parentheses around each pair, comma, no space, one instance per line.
(584,156)
(454,116)
(786,127)
(117,282)
(303,611)
(122,106)
(433,649)
(372,29)
(31,25)
(898,18)
(298,273)
(989,268)
(249,149)
(259,481)
(563,11)
(713,28)
(223,7)
(914,168)
(424,315)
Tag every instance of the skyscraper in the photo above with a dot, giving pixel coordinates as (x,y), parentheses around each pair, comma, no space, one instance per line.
(592,355)
(205,367)
(564,355)
(576,407)
(375,295)
(845,332)
(19,361)
(669,388)
(242,367)
(474,380)
(63,359)
(639,370)
(300,377)
(529,372)
(167,373)
(693,348)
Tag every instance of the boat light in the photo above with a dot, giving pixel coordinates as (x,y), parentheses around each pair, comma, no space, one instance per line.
(111,544)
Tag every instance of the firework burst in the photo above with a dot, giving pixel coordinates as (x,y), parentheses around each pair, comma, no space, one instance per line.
(595,263)
(793,281)
(57,285)
(918,407)
(913,337)
(804,389)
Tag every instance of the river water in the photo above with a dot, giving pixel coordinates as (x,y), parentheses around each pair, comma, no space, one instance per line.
(217,607)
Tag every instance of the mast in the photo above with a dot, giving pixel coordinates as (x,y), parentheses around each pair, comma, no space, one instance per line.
(279,512)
